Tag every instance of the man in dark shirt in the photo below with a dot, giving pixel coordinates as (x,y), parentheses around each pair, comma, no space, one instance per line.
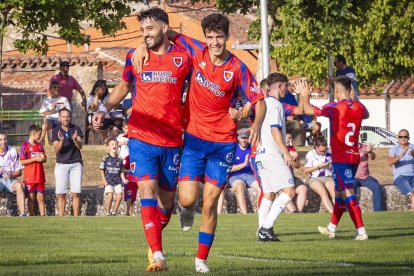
(67,143)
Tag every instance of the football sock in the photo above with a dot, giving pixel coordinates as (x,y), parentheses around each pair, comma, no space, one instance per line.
(151,224)
(264,210)
(339,209)
(205,240)
(259,200)
(277,208)
(354,211)
(164,216)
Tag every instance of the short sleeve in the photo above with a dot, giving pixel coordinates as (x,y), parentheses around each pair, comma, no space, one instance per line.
(24,154)
(393,151)
(55,134)
(273,111)
(43,107)
(80,133)
(308,160)
(127,74)
(102,164)
(16,160)
(328,110)
(192,45)
(247,85)
(89,102)
(76,85)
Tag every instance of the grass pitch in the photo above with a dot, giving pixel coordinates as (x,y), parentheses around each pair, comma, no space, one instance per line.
(117,246)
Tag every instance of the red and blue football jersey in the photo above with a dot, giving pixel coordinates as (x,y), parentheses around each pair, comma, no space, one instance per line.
(156,102)
(345,119)
(34,173)
(213,90)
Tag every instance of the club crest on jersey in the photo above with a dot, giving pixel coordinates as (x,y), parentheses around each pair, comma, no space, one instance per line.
(132,166)
(228,75)
(178,61)
(255,88)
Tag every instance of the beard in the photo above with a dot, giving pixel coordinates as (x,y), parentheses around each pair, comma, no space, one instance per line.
(157,40)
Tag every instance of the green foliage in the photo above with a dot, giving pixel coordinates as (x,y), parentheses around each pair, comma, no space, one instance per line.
(33,17)
(376,36)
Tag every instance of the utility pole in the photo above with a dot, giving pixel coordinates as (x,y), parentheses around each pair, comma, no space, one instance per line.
(265,38)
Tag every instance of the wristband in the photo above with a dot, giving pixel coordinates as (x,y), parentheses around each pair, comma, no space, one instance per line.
(103,109)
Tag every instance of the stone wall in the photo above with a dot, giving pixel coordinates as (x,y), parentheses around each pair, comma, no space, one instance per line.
(92,201)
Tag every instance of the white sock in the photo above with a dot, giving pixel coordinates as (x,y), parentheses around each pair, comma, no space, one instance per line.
(361,231)
(277,208)
(158,255)
(264,210)
(331,227)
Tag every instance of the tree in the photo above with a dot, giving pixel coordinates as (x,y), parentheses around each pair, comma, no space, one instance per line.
(33,17)
(377,36)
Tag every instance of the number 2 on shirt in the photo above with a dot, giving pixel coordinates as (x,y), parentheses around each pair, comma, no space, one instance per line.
(350,134)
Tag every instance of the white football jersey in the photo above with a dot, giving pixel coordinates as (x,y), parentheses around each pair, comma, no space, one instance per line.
(275,117)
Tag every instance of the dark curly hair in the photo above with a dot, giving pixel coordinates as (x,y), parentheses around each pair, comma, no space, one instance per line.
(276,77)
(154,14)
(216,22)
(96,85)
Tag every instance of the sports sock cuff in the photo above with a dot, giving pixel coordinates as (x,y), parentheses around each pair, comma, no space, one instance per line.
(349,199)
(151,202)
(284,198)
(205,238)
(266,201)
(165,212)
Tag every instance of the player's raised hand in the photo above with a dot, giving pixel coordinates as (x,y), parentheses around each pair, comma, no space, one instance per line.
(140,57)
(60,136)
(302,87)
(97,120)
(235,114)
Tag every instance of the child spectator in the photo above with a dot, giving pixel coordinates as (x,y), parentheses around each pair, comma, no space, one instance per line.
(130,189)
(50,108)
(301,189)
(113,177)
(32,156)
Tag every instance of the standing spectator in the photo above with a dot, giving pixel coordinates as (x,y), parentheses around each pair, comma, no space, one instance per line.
(363,177)
(10,169)
(241,173)
(50,108)
(113,177)
(32,156)
(301,189)
(67,83)
(318,166)
(401,157)
(97,98)
(342,69)
(67,143)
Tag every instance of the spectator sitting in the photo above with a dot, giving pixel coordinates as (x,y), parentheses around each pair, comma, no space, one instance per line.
(113,177)
(67,143)
(301,189)
(10,169)
(98,97)
(401,157)
(241,172)
(364,179)
(319,167)
(68,83)
(32,156)
(315,132)
(50,108)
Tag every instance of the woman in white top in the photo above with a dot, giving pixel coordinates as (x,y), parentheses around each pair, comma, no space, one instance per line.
(98,97)
(318,165)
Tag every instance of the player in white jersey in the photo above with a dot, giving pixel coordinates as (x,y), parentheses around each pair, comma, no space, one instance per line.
(273,160)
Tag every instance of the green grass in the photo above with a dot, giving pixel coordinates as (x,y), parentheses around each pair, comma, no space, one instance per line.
(117,246)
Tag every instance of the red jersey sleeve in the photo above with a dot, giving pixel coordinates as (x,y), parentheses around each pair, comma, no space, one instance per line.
(190,44)
(288,109)
(127,74)
(24,153)
(328,110)
(247,85)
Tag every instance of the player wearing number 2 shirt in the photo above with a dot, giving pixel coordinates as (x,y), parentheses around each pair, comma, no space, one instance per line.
(217,80)
(345,117)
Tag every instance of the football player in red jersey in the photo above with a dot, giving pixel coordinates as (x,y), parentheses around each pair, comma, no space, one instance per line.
(155,126)
(345,118)
(32,157)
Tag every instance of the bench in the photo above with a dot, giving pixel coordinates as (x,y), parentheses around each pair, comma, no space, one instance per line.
(30,115)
